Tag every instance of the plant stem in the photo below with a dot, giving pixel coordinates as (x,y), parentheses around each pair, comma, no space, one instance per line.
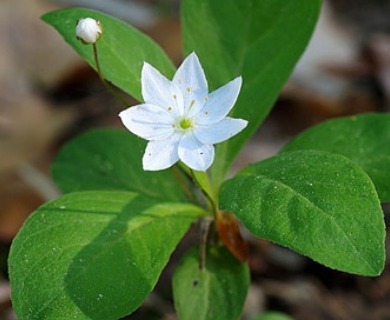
(176,172)
(211,201)
(118,97)
(204,232)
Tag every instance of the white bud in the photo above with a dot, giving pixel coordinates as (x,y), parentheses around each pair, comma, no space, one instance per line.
(89,30)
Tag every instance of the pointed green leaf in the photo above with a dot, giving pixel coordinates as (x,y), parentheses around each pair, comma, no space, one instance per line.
(365,139)
(122,49)
(319,204)
(110,159)
(259,40)
(93,255)
(217,292)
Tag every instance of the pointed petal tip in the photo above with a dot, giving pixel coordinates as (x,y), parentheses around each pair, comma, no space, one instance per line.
(122,114)
(238,80)
(192,55)
(241,124)
(148,70)
(194,58)
(146,66)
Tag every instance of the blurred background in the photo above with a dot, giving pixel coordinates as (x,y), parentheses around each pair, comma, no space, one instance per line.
(48,95)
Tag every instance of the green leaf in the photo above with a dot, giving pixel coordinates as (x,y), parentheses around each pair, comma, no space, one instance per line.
(110,159)
(273,316)
(319,204)
(259,40)
(122,49)
(365,139)
(217,292)
(93,255)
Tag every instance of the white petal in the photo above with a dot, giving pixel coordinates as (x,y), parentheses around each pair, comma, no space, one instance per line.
(220,131)
(148,121)
(219,103)
(161,154)
(158,90)
(190,74)
(195,154)
(191,80)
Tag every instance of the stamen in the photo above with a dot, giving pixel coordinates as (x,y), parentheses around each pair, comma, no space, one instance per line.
(174,96)
(206,98)
(169,108)
(188,89)
(192,103)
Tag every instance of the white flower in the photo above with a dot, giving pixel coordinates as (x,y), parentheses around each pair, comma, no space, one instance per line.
(89,30)
(180,119)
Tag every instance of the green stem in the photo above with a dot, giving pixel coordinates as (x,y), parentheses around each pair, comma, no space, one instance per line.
(213,204)
(204,232)
(105,83)
(176,172)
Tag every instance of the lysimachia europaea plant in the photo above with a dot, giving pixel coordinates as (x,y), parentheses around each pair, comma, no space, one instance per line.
(98,251)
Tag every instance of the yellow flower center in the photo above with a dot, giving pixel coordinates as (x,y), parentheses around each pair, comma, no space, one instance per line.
(185,124)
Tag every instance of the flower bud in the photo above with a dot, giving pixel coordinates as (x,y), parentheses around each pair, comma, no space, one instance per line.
(89,30)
